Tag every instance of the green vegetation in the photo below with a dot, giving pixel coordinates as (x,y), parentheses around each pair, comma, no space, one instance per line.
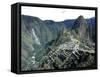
(52,45)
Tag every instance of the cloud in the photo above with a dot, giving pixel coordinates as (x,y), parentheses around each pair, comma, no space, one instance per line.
(56,14)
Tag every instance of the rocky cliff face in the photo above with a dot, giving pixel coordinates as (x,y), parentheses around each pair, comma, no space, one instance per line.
(81,28)
(53,45)
(36,35)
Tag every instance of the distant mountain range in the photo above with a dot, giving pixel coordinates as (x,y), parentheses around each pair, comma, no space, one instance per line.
(69,22)
(39,37)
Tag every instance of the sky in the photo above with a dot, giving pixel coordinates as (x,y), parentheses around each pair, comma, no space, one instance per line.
(56,14)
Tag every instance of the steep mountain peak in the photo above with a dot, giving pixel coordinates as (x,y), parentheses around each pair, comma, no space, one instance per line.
(81,27)
(80,20)
(81,17)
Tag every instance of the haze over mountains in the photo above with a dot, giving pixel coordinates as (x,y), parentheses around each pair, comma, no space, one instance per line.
(57,45)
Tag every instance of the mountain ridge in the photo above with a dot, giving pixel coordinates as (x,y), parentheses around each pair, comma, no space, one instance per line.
(41,38)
